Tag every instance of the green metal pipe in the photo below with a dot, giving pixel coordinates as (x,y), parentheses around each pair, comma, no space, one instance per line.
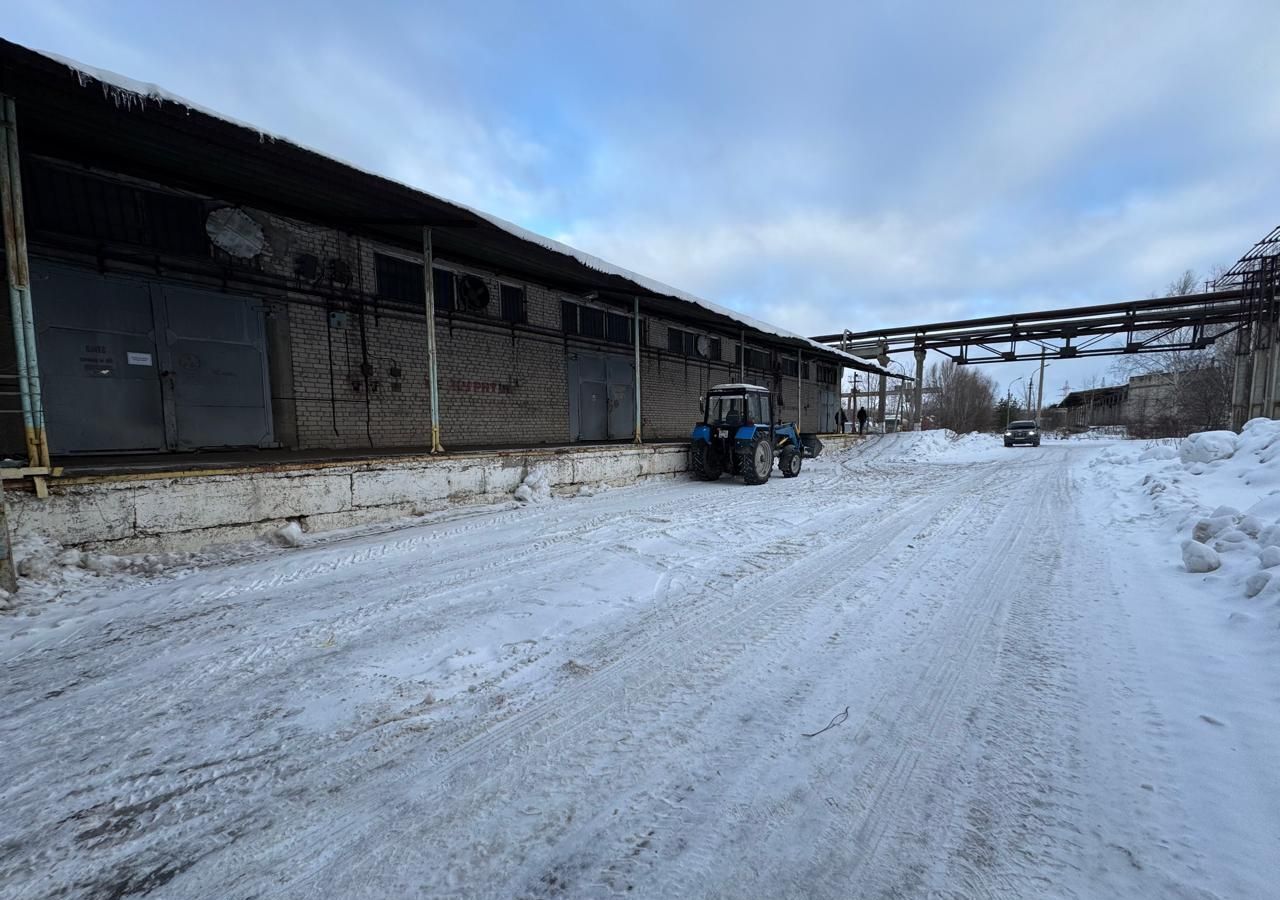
(13,277)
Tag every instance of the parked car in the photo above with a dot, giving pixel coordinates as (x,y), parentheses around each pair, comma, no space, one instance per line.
(1022,433)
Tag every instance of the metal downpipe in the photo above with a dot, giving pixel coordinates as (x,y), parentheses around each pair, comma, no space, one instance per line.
(635,330)
(19,296)
(432,375)
(799,389)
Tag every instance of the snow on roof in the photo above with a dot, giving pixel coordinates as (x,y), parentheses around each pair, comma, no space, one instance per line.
(126,91)
(738,387)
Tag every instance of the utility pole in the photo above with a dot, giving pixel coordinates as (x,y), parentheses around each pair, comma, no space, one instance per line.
(919,391)
(1040,389)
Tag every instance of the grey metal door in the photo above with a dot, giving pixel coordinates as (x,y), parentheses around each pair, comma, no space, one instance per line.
(601,397)
(622,411)
(96,338)
(828,404)
(215,361)
(130,364)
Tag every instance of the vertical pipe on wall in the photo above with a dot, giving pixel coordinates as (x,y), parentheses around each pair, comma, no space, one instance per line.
(742,357)
(18,273)
(432,375)
(799,388)
(635,331)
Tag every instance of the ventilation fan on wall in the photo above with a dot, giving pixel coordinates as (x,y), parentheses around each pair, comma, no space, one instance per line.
(473,293)
(234,232)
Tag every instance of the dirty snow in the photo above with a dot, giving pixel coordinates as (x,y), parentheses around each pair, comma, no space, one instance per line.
(1027,694)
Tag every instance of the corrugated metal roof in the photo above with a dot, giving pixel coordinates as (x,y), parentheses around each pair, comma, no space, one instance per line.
(105,120)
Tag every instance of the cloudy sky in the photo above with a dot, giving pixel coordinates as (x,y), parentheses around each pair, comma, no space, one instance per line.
(819,165)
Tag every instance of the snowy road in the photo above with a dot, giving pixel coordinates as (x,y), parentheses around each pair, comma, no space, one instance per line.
(608,695)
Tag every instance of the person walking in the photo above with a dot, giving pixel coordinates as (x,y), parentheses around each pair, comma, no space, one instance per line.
(862,420)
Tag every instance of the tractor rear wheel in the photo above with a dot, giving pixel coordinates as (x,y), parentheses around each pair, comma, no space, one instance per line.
(755,459)
(706,466)
(789,462)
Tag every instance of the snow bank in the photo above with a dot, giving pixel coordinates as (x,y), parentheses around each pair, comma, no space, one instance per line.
(48,569)
(1207,447)
(926,446)
(535,487)
(1219,494)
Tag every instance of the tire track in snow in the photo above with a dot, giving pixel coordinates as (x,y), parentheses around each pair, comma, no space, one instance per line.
(548,727)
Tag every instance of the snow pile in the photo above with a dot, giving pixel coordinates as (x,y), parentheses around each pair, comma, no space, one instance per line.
(288,536)
(1199,558)
(46,566)
(1119,455)
(1207,447)
(535,488)
(1159,451)
(927,446)
(1220,493)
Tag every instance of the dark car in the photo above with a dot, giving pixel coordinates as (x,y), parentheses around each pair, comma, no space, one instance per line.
(1022,433)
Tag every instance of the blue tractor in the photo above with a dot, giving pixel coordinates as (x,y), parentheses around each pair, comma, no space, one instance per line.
(738,435)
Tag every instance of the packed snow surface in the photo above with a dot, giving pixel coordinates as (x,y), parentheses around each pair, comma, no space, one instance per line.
(928,667)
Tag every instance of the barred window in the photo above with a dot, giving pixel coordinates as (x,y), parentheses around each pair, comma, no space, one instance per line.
(589,322)
(398,279)
(618,328)
(513,303)
(686,344)
(756,359)
(442,285)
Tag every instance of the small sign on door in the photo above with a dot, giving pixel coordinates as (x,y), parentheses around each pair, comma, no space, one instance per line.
(139,359)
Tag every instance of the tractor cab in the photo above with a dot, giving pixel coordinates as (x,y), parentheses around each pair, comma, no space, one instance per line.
(734,405)
(738,434)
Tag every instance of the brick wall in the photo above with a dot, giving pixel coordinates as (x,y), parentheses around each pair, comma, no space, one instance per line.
(348,370)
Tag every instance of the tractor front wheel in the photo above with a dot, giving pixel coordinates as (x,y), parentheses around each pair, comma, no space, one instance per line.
(706,466)
(789,462)
(755,459)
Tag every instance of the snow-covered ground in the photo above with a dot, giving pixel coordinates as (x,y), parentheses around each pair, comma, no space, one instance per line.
(612,693)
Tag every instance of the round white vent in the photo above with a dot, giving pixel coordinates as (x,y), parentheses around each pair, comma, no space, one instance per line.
(232,230)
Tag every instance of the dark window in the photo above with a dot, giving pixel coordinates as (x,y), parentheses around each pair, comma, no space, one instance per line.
(618,328)
(789,367)
(804,372)
(80,205)
(513,309)
(442,287)
(590,322)
(826,374)
(686,343)
(398,279)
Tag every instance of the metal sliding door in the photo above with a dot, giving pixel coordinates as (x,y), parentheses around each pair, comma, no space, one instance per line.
(134,365)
